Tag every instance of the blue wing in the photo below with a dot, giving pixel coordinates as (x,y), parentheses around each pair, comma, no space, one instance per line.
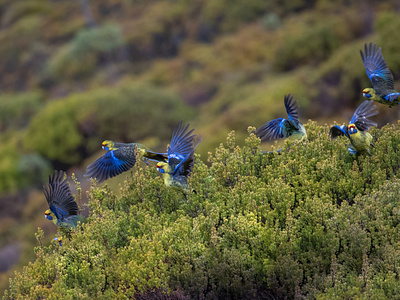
(361,115)
(338,131)
(392,96)
(110,165)
(181,142)
(59,197)
(292,110)
(376,68)
(273,129)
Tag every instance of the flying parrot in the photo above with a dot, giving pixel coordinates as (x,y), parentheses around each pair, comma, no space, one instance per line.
(356,132)
(120,157)
(180,158)
(63,210)
(284,128)
(381,78)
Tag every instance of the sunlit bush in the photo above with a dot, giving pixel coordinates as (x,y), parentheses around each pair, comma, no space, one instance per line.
(313,221)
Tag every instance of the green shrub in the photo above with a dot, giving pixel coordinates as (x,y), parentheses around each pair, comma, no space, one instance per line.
(16,110)
(313,221)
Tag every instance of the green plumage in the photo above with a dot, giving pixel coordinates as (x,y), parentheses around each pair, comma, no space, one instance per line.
(180,158)
(63,210)
(361,141)
(381,78)
(356,132)
(284,128)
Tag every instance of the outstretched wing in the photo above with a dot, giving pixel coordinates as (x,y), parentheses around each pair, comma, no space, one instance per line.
(273,129)
(361,115)
(377,70)
(338,131)
(111,164)
(185,166)
(181,151)
(181,142)
(292,110)
(59,197)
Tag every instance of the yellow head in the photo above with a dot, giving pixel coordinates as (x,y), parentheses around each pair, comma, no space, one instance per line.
(368,93)
(59,240)
(353,129)
(162,167)
(48,214)
(108,145)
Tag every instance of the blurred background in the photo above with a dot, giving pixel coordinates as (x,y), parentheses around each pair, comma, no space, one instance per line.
(74,73)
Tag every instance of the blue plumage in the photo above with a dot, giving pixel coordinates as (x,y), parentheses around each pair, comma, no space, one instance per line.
(180,157)
(376,67)
(356,132)
(111,164)
(380,76)
(281,127)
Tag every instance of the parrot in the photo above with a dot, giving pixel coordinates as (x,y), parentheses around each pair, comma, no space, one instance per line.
(180,158)
(120,157)
(63,210)
(381,78)
(356,132)
(284,128)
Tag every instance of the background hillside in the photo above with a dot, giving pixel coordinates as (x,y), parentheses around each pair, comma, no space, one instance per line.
(73,73)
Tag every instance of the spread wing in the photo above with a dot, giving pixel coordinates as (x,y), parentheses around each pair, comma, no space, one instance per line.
(292,110)
(361,115)
(111,164)
(376,68)
(59,197)
(273,129)
(181,151)
(338,131)
(181,142)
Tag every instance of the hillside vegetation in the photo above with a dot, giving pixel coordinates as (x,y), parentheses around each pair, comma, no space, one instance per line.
(74,73)
(313,221)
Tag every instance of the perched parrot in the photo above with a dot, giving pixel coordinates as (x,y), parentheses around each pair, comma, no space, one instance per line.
(180,158)
(284,128)
(120,157)
(381,78)
(360,139)
(63,210)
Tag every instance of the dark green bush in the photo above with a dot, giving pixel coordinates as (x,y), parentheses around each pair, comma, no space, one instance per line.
(313,221)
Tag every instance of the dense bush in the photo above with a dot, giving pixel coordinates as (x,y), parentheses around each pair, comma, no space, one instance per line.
(313,221)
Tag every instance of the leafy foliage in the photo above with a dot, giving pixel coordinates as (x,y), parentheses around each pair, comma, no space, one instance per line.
(313,221)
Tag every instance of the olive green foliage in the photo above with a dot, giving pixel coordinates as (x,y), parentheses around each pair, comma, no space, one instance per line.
(232,61)
(312,221)
(80,56)
(17,109)
(64,129)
